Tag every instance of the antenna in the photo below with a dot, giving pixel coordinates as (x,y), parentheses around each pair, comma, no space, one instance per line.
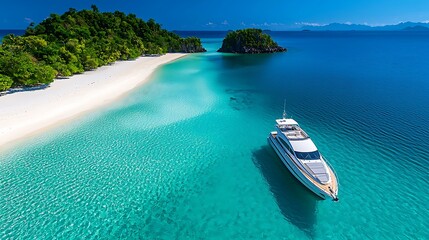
(284,109)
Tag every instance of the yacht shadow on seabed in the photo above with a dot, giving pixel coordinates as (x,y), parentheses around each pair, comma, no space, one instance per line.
(295,202)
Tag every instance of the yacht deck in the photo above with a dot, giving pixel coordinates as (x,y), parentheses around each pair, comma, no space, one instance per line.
(295,134)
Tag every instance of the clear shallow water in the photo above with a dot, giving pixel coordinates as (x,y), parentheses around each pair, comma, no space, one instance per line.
(186,157)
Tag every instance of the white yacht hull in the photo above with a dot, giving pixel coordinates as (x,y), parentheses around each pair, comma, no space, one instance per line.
(289,163)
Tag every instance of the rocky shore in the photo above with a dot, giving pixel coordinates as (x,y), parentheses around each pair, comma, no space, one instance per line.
(249,41)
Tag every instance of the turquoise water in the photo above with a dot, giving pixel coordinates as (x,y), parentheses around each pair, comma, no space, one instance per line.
(185,156)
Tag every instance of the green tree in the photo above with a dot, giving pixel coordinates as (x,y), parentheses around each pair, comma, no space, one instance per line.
(249,41)
(94,8)
(5,82)
(62,45)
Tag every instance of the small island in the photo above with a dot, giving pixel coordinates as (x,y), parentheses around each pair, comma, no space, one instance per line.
(416,28)
(249,41)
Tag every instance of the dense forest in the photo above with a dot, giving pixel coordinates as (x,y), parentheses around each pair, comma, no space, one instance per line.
(77,41)
(250,41)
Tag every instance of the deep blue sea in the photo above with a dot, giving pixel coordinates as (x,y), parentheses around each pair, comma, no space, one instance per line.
(185,156)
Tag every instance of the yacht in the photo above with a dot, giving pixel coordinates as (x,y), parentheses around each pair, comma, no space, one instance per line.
(299,154)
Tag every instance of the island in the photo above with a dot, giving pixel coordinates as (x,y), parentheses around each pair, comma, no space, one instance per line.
(249,41)
(416,28)
(78,41)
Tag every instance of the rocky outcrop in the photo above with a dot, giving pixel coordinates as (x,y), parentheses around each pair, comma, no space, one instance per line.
(188,45)
(249,41)
(192,48)
(250,50)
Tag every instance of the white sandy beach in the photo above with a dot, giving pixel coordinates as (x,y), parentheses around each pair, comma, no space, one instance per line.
(24,113)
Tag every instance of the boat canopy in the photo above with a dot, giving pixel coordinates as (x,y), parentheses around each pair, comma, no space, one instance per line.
(303,146)
(286,121)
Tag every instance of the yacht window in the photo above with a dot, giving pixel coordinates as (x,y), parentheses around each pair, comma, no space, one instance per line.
(308,155)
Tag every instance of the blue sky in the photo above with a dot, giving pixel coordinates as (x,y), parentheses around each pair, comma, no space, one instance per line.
(229,14)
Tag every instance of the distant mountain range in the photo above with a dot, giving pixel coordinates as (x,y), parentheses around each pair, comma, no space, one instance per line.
(404,26)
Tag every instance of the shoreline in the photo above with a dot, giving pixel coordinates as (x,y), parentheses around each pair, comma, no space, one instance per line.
(26,113)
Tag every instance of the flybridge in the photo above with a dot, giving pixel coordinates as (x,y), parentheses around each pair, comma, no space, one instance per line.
(286,121)
(291,129)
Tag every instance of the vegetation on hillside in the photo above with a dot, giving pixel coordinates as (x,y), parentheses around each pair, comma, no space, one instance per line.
(77,41)
(249,40)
